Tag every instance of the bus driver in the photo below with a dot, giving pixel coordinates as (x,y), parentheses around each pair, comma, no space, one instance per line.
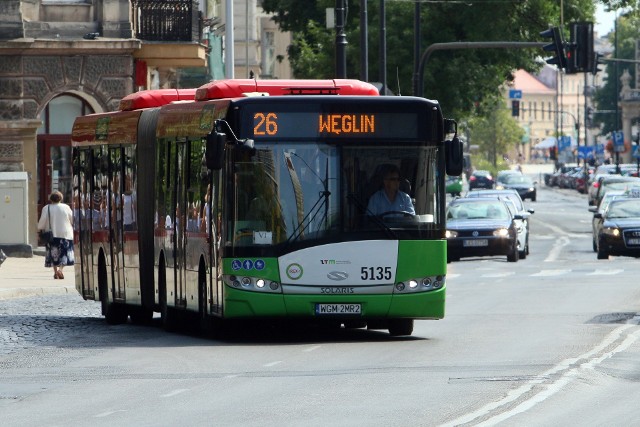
(389,198)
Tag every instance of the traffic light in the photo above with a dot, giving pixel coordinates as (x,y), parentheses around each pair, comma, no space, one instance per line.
(556,46)
(597,60)
(515,108)
(582,46)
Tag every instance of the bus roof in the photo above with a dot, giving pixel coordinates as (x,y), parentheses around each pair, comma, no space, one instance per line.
(237,88)
(155,98)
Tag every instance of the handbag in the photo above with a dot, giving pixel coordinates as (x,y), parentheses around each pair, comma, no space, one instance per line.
(46,236)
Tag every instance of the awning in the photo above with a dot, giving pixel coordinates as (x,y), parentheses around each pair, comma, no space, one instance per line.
(545,143)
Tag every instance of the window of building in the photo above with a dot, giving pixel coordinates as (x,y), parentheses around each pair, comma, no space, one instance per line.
(268,53)
(59,115)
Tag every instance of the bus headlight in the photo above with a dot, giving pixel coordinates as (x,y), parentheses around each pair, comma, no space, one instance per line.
(260,283)
(421,284)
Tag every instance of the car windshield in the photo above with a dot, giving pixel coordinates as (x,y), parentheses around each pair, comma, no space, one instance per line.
(629,208)
(518,179)
(478,210)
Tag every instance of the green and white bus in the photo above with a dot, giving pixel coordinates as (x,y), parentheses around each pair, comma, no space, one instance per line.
(249,199)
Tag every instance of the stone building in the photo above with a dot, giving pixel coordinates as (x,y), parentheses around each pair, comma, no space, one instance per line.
(63,58)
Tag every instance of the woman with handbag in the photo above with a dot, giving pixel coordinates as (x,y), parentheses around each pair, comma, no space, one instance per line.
(57,217)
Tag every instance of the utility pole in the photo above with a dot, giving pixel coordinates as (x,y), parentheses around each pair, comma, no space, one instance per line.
(341,42)
(364,42)
(383,47)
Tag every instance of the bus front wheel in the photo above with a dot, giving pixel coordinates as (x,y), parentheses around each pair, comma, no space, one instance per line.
(398,327)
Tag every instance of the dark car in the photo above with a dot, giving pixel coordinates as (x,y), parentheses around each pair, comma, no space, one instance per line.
(619,233)
(525,186)
(596,221)
(481,179)
(522,225)
(481,227)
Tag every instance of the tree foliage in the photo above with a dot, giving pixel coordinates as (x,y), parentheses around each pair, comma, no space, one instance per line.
(627,32)
(461,80)
(496,133)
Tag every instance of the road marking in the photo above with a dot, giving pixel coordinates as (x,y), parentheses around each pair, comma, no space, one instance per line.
(505,274)
(569,371)
(175,392)
(599,272)
(557,247)
(268,365)
(315,347)
(453,275)
(106,414)
(546,273)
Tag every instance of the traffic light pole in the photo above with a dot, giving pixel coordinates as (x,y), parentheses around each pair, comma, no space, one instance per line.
(418,83)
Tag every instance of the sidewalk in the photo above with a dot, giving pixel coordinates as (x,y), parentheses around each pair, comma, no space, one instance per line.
(22,277)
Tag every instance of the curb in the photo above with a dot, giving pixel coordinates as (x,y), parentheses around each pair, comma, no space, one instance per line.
(6,294)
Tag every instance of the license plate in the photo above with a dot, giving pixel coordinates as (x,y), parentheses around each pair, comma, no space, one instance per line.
(633,241)
(475,243)
(327,309)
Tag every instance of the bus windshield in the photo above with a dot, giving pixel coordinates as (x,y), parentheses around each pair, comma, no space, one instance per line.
(296,193)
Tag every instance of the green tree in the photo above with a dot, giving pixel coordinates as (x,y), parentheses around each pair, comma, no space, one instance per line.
(628,31)
(496,133)
(460,80)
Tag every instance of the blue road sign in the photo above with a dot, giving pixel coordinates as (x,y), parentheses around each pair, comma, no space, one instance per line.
(618,141)
(636,152)
(515,94)
(564,143)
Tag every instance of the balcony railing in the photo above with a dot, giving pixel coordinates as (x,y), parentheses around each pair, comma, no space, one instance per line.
(167,20)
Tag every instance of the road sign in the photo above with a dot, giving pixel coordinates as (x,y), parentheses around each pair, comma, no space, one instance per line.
(618,141)
(564,143)
(515,94)
(586,152)
(636,152)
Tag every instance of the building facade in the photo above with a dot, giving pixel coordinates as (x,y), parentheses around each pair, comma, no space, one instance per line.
(63,58)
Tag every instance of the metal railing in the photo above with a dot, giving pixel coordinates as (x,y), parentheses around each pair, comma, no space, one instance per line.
(167,20)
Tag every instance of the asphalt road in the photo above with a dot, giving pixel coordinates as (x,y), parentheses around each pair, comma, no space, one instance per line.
(549,340)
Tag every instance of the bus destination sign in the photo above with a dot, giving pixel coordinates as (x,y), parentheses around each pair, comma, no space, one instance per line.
(267,124)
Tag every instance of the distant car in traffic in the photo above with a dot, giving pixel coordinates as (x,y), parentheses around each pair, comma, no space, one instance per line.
(481,179)
(481,227)
(502,175)
(524,185)
(596,222)
(613,182)
(455,184)
(522,225)
(620,230)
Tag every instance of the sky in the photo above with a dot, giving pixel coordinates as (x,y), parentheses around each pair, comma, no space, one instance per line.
(604,21)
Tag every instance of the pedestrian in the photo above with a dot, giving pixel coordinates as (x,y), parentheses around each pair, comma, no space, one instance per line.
(58,217)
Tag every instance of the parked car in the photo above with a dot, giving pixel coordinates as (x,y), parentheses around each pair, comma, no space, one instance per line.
(522,225)
(481,179)
(481,227)
(455,184)
(620,230)
(524,185)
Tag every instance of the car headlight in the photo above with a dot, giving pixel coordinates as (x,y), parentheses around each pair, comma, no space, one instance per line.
(450,234)
(531,189)
(611,231)
(501,232)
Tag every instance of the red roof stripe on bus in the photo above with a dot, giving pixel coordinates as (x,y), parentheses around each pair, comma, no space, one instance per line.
(155,98)
(236,88)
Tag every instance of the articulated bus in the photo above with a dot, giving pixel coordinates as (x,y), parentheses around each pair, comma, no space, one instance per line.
(249,199)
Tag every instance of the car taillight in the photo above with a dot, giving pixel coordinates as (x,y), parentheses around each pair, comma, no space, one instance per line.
(596,184)
(473,178)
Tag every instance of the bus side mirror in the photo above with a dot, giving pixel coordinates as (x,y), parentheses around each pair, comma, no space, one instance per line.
(454,158)
(215,150)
